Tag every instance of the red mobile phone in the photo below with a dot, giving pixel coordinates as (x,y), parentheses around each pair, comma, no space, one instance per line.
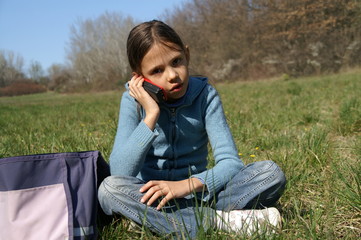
(155,91)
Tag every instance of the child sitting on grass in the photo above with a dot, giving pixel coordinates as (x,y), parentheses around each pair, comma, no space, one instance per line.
(159,176)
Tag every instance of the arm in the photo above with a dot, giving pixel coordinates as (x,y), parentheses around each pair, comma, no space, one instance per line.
(132,141)
(227,162)
(134,136)
(151,108)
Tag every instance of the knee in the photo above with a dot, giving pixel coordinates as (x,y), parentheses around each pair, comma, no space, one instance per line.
(273,172)
(122,181)
(103,197)
(273,181)
(116,188)
(110,184)
(277,174)
(115,184)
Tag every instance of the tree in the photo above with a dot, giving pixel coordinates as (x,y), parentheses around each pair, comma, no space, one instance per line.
(307,36)
(36,71)
(97,51)
(59,78)
(232,39)
(216,32)
(11,67)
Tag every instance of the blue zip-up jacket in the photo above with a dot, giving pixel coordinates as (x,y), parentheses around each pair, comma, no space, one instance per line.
(178,147)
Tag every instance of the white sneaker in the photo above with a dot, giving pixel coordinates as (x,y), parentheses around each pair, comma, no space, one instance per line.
(250,221)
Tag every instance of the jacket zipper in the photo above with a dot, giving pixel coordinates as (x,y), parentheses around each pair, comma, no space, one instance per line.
(173,129)
(172,139)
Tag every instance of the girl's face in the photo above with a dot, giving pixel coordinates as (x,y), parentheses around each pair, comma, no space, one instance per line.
(168,68)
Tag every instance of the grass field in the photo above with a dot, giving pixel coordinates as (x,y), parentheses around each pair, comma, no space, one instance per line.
(311,127)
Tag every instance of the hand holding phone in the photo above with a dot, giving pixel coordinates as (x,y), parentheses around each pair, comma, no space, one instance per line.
(155,91)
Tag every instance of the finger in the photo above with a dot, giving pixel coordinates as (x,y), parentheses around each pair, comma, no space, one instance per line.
(135,76)
(153,190)
(139,81)
(135,79)
(154,197)
(148,185)
(148,195)
(133,82)
(131,93)
(136,86)
(164,201)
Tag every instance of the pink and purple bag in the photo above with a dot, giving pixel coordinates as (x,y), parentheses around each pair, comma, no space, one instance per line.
(50,196)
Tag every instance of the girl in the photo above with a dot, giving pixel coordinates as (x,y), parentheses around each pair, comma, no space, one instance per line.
(159,176)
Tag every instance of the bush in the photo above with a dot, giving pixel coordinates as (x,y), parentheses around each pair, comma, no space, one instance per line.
(21,88)
(350,116)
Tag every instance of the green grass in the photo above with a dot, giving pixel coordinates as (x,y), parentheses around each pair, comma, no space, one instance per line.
(310,126)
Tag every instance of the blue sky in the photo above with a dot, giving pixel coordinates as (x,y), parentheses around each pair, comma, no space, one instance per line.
(38,30)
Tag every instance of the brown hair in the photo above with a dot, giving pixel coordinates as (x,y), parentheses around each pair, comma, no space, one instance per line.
(143,36)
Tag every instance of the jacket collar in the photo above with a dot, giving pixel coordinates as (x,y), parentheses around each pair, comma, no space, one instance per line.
(195,87)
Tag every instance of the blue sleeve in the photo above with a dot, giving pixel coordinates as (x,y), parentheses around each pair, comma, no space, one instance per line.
(132,141)
(227,162)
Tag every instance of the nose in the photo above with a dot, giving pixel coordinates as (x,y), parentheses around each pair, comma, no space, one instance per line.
(172,74)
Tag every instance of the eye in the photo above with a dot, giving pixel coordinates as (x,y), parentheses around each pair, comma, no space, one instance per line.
(177,61)
(156,71)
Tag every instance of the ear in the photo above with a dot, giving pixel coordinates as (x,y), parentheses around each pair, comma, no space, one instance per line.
(136,74)
(187,53)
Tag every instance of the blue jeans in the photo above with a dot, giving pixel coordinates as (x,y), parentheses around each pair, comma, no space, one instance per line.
(259,184)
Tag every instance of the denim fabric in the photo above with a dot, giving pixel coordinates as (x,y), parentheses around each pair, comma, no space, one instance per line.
(259,184)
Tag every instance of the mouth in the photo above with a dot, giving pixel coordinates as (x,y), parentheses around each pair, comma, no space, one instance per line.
(177,87)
